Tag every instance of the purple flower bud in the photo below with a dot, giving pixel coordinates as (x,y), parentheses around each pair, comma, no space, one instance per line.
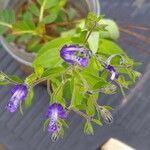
(75,54)
(55,111)
(19,93)
(114,73)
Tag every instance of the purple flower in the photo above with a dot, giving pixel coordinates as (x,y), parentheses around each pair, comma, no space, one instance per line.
(114,73)
(75,54)
(55,111)
(19,93)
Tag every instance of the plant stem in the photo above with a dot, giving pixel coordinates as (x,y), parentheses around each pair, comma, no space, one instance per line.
(5,24)
(63,75)
(25,32)
(49,87)
(67,15)
(38,81)
(87,37)
(82,114)
(57,90)
(42,11)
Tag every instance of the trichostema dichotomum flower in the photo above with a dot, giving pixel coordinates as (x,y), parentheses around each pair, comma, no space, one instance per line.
(55,111)
(75,54)
(19,93)
(112,70)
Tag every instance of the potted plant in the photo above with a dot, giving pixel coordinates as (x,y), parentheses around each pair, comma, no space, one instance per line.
(75,55)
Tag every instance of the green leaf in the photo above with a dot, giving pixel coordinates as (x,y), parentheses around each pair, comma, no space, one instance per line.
(63,123)
(10,38)
(49,55)
(121,80)
(98,122)
(48,3)
(88,129)
(93,41)
(34,9)
(29,98)
(15,79)
(7,18)
(94,81)
(24,27)
(68,33)
(90,108)
(52,72)
(38,71)
(27,16)
(112,29)
(109,108)
(30,79)
(50,18)
(46,124)
(49,59)
(67,90)
(77,92)
(4,82)
(91,20)
(20,108)
(108,47)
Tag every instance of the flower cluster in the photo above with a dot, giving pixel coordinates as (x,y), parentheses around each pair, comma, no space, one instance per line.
(19,93)
(55,111)
(75,54)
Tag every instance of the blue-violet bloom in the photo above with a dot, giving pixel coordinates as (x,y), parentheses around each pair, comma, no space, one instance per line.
(55,111)
(75,54)
(114,73)
(19,93)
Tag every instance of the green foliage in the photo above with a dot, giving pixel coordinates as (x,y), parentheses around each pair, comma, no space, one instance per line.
(7,17)
(90,108)
(93,41)
(71,85)
(24,27)
(108,47)
(112,29)
(49,18)
(29,98)
(48,56)
(92,20)
(34,9)
(48,3)
(88,129)
(15,79)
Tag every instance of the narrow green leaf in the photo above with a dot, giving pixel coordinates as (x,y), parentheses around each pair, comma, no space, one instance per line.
(7,18)
(88,129)
(90,108)
(16,79)
(34,9)
(52,72)
(29,98)
(50,18)
(46,124)
(63,123)
(93,41)
(98,122)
